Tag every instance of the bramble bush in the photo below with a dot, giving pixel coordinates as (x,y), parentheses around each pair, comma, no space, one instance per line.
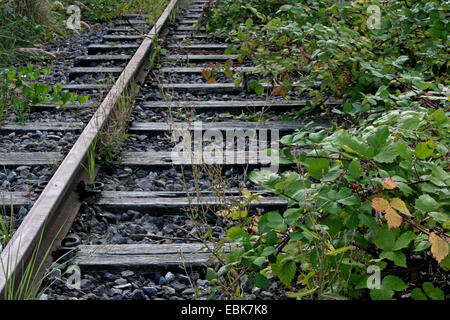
(375,193)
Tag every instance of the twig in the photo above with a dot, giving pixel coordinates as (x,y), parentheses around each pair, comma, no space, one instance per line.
(234,281)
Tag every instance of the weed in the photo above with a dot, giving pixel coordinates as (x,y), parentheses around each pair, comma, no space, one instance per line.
(90,168)
(114,133)
(19,90)
(6,227)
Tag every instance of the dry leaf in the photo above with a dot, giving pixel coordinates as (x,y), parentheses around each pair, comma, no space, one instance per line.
(253,228)
(389,184)
(380,204)
(393,219)
(398,204)
(439,247)
(276,91)
(206,73)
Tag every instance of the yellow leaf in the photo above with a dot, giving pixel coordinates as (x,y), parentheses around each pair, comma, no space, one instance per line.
(439,247)
(398,204)
(329,245)
(393,219)
(389,183)
(380,204)
(246,193)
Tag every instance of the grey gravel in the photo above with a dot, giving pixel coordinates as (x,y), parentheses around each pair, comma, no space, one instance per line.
(169,277)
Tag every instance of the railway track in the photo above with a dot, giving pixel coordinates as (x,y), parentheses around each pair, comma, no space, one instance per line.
(149,218)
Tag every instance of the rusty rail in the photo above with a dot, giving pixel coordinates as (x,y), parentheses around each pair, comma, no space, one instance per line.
(51,217)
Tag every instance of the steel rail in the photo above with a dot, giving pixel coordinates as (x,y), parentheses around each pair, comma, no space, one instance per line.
(52,214)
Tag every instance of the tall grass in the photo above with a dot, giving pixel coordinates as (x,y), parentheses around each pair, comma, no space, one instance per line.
(24,23)
(6,227)
(37,10)
(25,286)
(106,10)
(16,31)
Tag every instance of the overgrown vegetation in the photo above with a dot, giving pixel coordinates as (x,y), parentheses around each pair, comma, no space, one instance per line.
(25,23)
(6,224)
(373,195)
(106,10)
(20,90)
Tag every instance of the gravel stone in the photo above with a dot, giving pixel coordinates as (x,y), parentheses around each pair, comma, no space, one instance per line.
(202,283)
(120,281)
(138,294)
(178,286)
(169,277)
(168,291)
(85,284)
(188,292)
(100,290)
(162,281)
(150,291)
(109,276)
(127,273)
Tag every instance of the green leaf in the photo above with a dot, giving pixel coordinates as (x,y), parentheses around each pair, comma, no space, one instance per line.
(400,60)
(291,215)
(403,151)
(350,201)
(353,145)
(259,261)
(387,154)
(318,136)
(236,233)
(368,221)
(439,116)
(274,220)
(379,139)
(426,203)
(445,264)
(261,281)
(385,240)
(432,292)
(224,269)
(235,254)
(317,167)
(355,169)
(392,282)
(271,238)
(287,272)
(381,294)
(268,251)
(417,294)
(397,257)
(439,176)
(211,274)
(404,240)
(262,224)
(440,217)
(424,149)
(248,260)
(259,89)
(333,174)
